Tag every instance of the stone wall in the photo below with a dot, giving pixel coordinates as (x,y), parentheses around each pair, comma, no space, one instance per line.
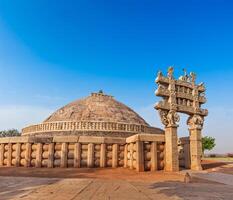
(141,152)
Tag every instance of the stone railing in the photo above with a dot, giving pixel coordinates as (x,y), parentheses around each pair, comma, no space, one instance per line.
(87,126)
(143,152)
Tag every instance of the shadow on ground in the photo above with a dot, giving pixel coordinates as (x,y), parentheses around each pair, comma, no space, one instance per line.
(191,191)
(211,165)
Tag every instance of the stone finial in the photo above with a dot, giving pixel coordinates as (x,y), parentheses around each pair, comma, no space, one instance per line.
(159,73)
(192,77)
(170,72)
(185,77)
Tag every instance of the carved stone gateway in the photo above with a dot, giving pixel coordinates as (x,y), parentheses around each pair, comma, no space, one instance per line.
(181,96)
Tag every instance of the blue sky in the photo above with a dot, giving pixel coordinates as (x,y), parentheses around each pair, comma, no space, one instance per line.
(52,52)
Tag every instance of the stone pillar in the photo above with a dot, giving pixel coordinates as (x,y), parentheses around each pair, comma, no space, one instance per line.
(114,155)
(17,157)
(1,154)
(28,154)
(9,155)
(131,156)
(64,152)
(139,156)
(77,155)
(50,155)
(195,148)
(154,156)
(38,155)
(171,149)
(125,156)
(103,155)
(90,155)
(195,123)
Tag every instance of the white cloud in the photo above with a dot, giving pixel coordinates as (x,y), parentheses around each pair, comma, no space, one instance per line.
(19,116)
(218,124)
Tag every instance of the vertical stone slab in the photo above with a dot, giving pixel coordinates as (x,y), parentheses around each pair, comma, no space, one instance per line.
(17,157)
(154,156)
(64,152)
(195,148)
(28,152)
(139,156)
(90,155)
(187,158)
(38,155)
(103,155)
(125,156)
(171,149)
(77,155)
(1,154)
(50,155)
(131,156)
(114,155)
(9,154)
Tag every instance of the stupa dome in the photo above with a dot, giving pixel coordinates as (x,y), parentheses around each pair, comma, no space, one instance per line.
(97,107)
(98,114)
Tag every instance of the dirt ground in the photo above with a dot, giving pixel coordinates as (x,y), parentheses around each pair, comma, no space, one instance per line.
(73,184)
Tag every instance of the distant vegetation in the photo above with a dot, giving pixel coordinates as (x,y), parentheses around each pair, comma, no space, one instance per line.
(10,133)
(208,143)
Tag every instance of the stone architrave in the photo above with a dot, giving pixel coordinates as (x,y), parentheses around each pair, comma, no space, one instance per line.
(181,96)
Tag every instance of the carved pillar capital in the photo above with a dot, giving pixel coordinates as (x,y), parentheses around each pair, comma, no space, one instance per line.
(169,118)
(195,122)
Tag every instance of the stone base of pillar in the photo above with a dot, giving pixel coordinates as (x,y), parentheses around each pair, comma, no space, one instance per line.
(171,148)
(195,149)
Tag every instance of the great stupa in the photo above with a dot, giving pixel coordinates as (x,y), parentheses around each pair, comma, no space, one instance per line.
(96,115)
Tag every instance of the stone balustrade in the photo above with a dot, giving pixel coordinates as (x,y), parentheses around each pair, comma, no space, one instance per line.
(141,152)
(87,126)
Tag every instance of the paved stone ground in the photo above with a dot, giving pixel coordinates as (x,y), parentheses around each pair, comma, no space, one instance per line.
(219,177)
(21,188)
(74,184)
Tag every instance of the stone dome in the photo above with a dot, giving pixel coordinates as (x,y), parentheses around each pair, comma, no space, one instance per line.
(97,107)
(95,115)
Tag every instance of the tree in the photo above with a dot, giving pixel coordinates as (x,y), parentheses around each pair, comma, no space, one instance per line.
(208,143)
(10,133)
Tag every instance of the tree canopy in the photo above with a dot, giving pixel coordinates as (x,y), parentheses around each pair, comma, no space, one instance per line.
(208,143)
(10,133)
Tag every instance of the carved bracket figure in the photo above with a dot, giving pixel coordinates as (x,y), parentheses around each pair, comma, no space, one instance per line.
(169,118)
(195,122)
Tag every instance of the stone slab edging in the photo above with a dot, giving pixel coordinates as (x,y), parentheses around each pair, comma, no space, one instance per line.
(84,139)
(146,138)
(61,139)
